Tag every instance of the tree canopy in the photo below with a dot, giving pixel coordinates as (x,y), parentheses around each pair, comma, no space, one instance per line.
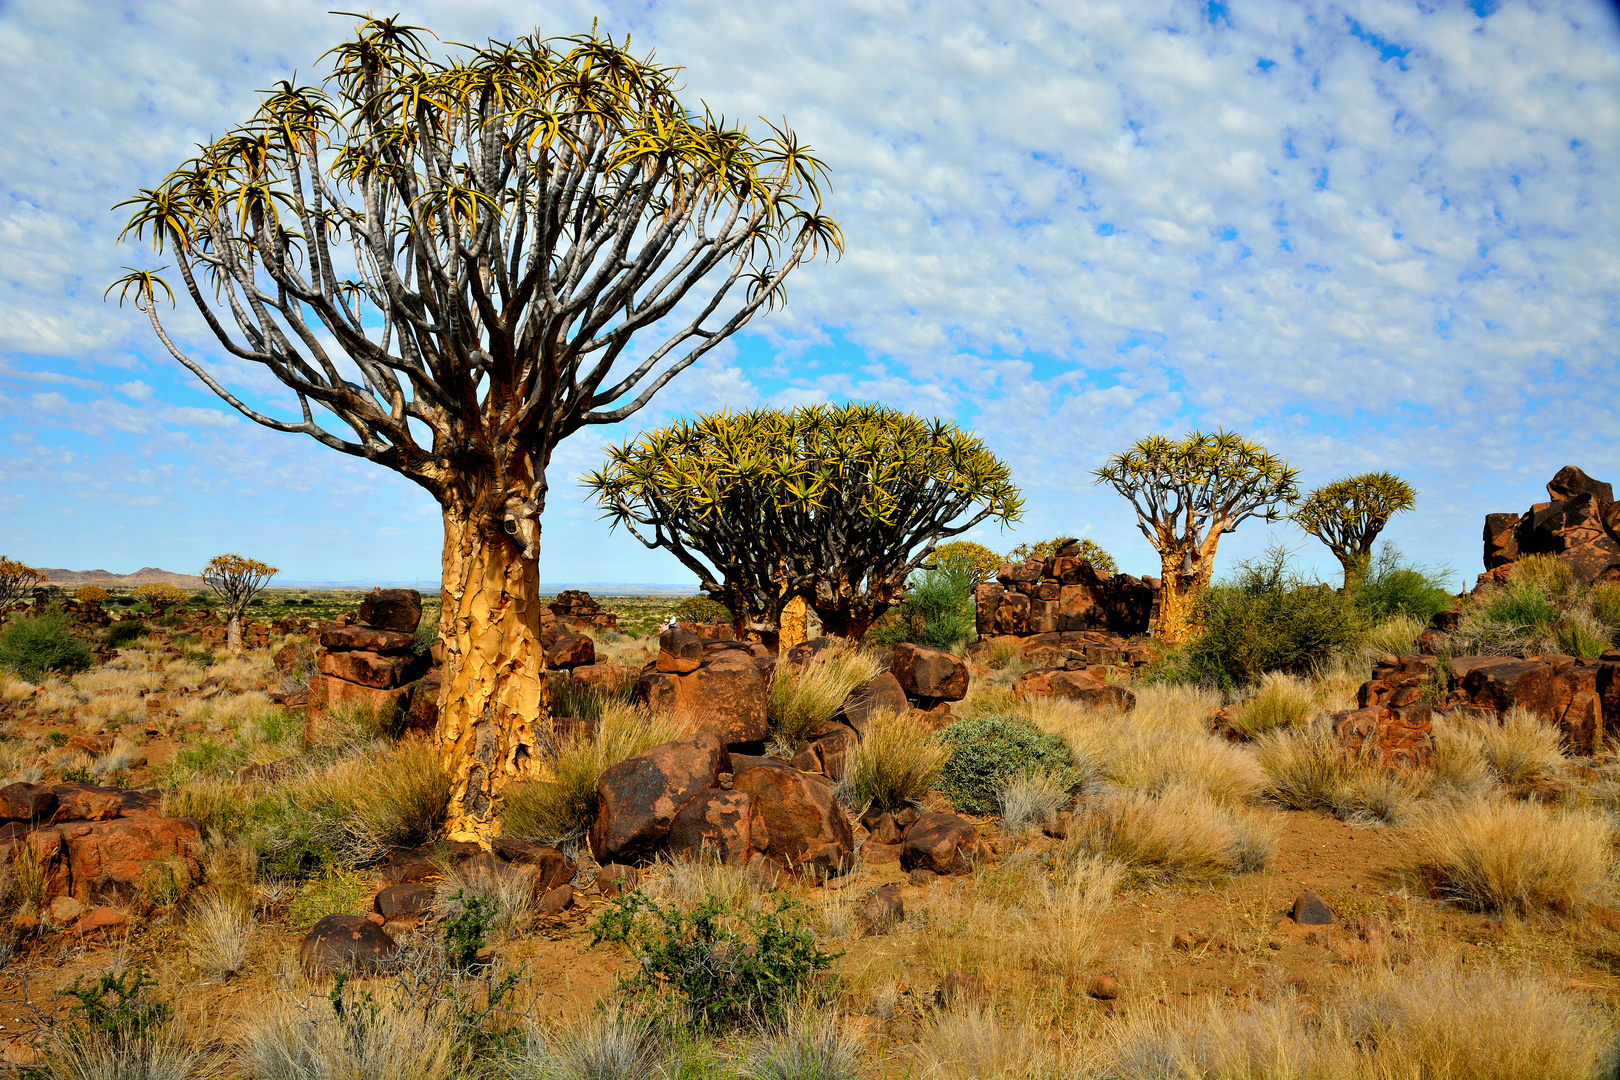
(1089,550)
(236,581)
(835,503)
(17,581)
(1347,515)
(975,561)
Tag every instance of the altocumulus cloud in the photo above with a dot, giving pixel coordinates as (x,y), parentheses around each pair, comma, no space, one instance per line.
(1375,235)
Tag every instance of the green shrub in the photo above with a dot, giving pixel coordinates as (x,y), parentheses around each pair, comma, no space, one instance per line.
(1267,618)
(35,647)
(937,611)
(1604,603)
(467,931)
(123,634)
(700,609)
(987,751)
(718,968)
(1393,587)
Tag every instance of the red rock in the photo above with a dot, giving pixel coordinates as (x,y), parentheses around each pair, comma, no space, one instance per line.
(834,751)
(726,826)
(929,673)
(347,943)
(63,910)
(1103,987)
(26,802)
(391,609)
(556,901)
(615,879)
(880,827)
(337,638)
(1012,614)
(94,745)
(879,854)
(986,601)
(101,921)
(943,843)
(680,644)
(422,711)
(1570,481)
(113,860)
(637,799)
(372,669)
(1087,686)
(807,827)
(883,910)
(85,802)
(882,693)
(726,695)
(552,866)
(406,900)
(326,691)
(565,650)
(1397,738)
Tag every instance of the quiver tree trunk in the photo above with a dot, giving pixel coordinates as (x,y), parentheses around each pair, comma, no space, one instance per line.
(1186,574)
(492,700)
(233,631)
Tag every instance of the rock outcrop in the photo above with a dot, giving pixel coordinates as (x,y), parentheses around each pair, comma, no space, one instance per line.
(1063,592)
(1579,525)
(371,659)
(717,686)
(575,610)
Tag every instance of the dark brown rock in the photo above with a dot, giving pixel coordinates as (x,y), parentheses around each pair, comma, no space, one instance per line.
(725,695)
(943,843)
(1311,910)
(1103,987)
(637,799)
(553,868)
(1569,482)
(85,802)
(922,876)
(806,825)
(422,712)
(616,879)
(834,750)
(372,669)
(883,910)
(347,943)
(681,644)
(882,693)
(404,901)
(565,650)
(114,860)
(391,609)
(556,901)
(27,802)
(335,638)
(880,827)
(1399,738)
(726,826)
(929,673)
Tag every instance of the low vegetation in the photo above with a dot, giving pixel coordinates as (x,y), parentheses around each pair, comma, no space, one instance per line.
(986,752)
(895,765)
(803,697)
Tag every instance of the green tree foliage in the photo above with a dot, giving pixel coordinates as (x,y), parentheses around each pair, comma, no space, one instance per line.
(160,597)
(36,647)
(1392,586)
(1089,550)
(700,609)
(1188,494)
(987,750)
(964,556)
(835,503)
(1347,515)
(1268,618)
(936,611)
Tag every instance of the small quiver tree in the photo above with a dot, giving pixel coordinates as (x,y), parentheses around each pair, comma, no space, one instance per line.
(837,504)
(17,582)
(1347,515)
(160,597)
(1089,550)
(1187,495)
(236,581)
(90,594)
(974,561)
(448,261)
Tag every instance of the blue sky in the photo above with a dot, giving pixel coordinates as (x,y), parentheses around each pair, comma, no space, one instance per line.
(1372,235)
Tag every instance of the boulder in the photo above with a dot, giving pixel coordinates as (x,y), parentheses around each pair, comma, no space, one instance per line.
(606,678)
(347,943)
(86,802)
(114,860)
(1311,910)
(807,828)
(726,826)
(986,601)
(725,695)
(883,910)
(680,652)
(336,638)
(1397,738)
(371,669)
(327,691)
(834,750)
(556,901)
(637,799)
(407,900)
(941,843)
(552,867)
(27,802)
(1570,481)
(565,650)
(391,609)
(1088,686)
(929,673)
(882,693)
(422,711)
(615,879)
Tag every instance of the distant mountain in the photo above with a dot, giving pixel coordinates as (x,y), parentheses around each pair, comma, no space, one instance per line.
(146,575)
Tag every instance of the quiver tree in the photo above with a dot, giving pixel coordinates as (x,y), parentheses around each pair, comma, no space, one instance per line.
(837,504)
(236,581)
(1347,515)
(446,262)
(17,582)
(90,594)
(160,597)
(973,561)
(1089,550)
(1187,495)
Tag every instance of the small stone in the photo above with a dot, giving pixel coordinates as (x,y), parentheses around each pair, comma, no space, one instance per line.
(615,879)
(959,987)
(406,900)
(375,918)
(63,910)
(923,876)
(1183,941)
(558,900)
(102,920)
(1311,910)
(1103,987)
(883,909)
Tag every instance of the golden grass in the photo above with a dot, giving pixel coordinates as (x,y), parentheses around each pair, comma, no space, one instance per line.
(1305,769)
(559,808)
(688,882)
(1519,748)
(308,1039)
(971,1042)
(803,697)
(895,764)
(1397,634)
(1180,835)
(1000,653)
(1029,799)
(1516,858)
(1278,703)
(18,763)
(15,689)
(218,936)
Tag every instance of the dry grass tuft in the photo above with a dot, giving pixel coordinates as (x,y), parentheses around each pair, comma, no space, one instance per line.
(218,936)
(1180,835)
(559,809)
(1520,749)
(15,689)
(309,1040)
(1001,653)
(895,764)
(1030,799)
(688,882)
(972,1043)
(802,698)
(507,889)
(1517,858)
(1279,703)
(807,1045)
(1306,770)
(608,1045)
(1397,634)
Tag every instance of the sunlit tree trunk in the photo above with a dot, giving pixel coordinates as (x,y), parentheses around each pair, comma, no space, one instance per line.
(492,700)
(1187,572)
(233,632)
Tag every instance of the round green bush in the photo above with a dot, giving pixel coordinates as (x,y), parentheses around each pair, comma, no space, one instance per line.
(700,609)
(988,750)
(33,647)
(120,634)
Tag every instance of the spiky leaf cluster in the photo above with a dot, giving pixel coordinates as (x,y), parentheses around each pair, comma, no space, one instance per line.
(90,594)
(837,503)
(17,581)
(1089,550)
(237,580)
(469,244)
(1347,515)
(1185,490)
(160,596)
(965,557)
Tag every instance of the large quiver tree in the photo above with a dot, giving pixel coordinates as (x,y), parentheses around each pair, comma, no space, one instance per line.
(1347,515)
(446,262)
(837,504)
(1187,494)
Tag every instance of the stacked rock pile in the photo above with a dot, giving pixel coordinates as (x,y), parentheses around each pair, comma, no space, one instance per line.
(714,685)
(575,609)
(1063,593)
(1580,525)
(371,658)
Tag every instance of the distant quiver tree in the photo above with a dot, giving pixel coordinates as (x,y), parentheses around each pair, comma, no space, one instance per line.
(964,557)
(236,581)
(90,594)
(17,582)
(1089,550)
(160,596)
(1187,494)
(1347,515)
(837,504)
(452,263)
